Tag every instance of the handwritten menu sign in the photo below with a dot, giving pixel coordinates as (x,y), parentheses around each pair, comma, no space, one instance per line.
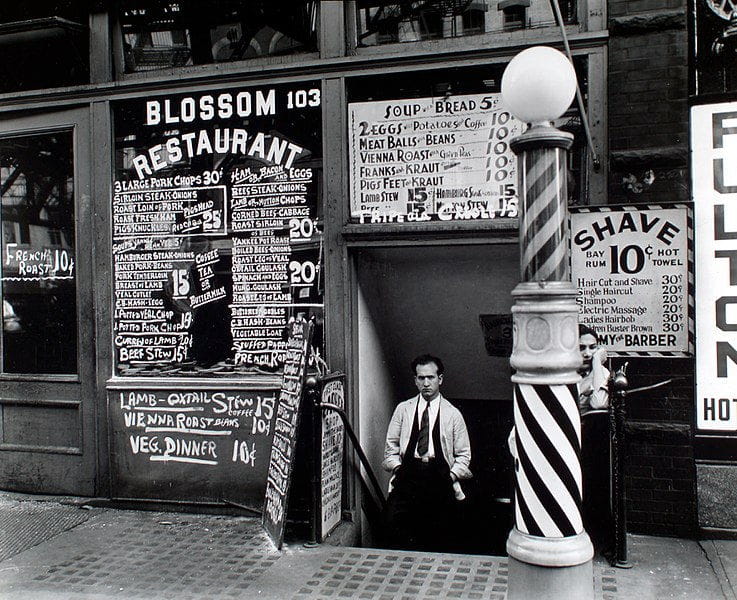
(194,444)
(216,229)
(331,456)
(632,269)
(498,334)
(285,431)
(432,159)
(24,262)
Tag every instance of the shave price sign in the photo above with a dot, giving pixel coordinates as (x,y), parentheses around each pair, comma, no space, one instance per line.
(632,269)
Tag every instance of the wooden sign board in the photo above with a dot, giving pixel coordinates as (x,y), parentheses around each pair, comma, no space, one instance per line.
(286,425)
(331,455)
(194,443)
(432,159)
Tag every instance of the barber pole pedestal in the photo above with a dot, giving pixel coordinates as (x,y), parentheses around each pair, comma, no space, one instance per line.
(550,553)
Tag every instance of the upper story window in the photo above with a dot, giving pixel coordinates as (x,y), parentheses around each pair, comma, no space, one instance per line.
(514,13)
(43,44)
(160,35)
(714,45)
(382,22)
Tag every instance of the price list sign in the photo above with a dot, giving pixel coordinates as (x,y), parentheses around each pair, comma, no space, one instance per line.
(633,269)
(202,444)
(216,228)
(432,159)
(331,456)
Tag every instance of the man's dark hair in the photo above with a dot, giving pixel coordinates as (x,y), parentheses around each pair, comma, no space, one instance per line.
(426,359)
(586,330)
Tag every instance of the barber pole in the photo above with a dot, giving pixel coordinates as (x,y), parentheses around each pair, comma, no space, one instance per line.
(549,551)
(548,468)
(544,218)
(548,530)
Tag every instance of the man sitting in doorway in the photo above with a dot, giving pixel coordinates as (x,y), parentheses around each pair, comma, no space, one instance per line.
(428,452)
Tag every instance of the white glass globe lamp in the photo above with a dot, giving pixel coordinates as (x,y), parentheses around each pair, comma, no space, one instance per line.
(538,85)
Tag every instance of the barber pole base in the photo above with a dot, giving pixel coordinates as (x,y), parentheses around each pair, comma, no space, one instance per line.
(549,551)
(552,583)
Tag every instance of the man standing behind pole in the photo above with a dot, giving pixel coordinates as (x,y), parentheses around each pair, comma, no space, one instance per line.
(428,452)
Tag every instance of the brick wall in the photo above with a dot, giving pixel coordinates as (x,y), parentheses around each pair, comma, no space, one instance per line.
(648,162)
(648,111)
(660,475)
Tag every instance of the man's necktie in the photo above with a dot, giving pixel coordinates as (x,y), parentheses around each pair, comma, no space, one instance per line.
(423,439)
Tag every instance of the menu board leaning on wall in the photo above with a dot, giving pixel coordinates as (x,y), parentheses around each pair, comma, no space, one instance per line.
(432,159)
(217,229)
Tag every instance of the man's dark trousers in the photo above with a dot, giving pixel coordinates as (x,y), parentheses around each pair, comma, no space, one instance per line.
(421,508)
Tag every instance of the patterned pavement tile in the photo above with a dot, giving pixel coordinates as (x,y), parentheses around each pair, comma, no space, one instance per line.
(24,525)
(386,575)
(159,556)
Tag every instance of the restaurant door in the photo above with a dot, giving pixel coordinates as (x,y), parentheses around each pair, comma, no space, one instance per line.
(47,433)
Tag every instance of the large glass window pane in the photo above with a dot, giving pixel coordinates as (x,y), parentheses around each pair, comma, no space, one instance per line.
(38,267)
(159,35)
(217,229)
(386,22)
(433,146)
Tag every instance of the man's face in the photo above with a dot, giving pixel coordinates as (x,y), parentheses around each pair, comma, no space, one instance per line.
(587,345)
(427,380)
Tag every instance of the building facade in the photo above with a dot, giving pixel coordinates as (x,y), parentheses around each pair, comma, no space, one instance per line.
(181,179)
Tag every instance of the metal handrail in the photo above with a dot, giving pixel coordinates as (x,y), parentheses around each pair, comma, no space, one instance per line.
(323,406)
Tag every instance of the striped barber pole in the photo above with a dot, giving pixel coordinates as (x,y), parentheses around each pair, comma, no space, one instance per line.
(548,460)
(547,446)
(544,220)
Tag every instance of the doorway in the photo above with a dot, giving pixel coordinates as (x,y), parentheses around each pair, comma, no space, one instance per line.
(434,299)
(47,432)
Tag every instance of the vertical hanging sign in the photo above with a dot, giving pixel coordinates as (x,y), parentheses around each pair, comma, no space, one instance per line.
(285,430)
(714,153)
(331,456)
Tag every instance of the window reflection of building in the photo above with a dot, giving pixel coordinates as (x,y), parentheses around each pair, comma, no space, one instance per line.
(38,255)
(382,22)
(193,32)
(715,46)
(43,44)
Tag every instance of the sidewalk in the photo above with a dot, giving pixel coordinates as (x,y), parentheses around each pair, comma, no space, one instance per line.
(54,550)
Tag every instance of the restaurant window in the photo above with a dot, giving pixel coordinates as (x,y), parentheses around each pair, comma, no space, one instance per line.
(381,22)
(43,44)
(160,35)
(217,229)
(435,147)
(38,269)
